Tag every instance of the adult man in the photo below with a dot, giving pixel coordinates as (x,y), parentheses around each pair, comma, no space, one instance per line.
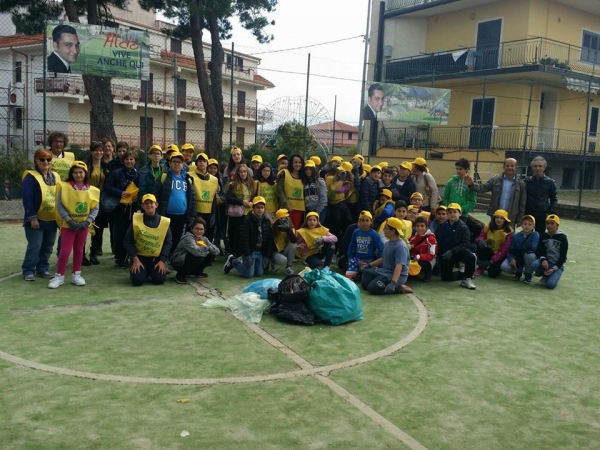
(61,160)
(66,49)
(374,102)
(148,244)
(541,194)
(508,192)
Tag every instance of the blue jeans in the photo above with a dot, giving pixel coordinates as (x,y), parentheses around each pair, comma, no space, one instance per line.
(551,280)
(40,243)
(256,269)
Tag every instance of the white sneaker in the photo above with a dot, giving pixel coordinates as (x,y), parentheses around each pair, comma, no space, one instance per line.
(467,283)
(57,281)
(77,279)
(289,271)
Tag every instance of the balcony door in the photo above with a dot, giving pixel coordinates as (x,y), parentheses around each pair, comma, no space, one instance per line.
(482,125)
(546,136)
(488,44)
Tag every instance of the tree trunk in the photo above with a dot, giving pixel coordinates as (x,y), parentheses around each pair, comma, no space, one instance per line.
(98,89)
(210,89)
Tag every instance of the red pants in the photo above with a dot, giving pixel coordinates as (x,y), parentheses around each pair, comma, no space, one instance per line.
(71,241)
(297,216)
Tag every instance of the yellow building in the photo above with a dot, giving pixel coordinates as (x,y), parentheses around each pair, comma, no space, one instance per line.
(524,76)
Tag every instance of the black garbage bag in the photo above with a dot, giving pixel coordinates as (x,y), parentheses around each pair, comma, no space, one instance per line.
(288,301)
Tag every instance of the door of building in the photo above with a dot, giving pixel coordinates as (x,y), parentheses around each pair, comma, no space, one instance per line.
(488,44)
(482,126)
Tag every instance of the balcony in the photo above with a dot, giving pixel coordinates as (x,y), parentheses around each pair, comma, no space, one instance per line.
(537,139)
(69,86)
(534,54)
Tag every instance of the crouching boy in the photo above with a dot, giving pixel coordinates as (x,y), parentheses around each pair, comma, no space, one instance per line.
(552,253)
(387,275)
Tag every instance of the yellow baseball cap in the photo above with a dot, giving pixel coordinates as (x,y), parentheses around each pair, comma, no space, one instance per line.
(187,147)
(412,208)
(257,158)
(258,199)
(416,194)
(376,168)
(502,213)
(406,165)
(175,154)
(316,160)
(149,197)
(365,213)
(529,217)
(455,206)
(346,167)
(310,163)
(386,192)
(172,148)
(336,158)
(282,156)
(281,213)
(155,148)
(212,161)
(235,149)
(383,164)
(420,161)
(79,164)
(396,224)
(553,218)
(360,158)
(312,214)
(202,155)
(367,168)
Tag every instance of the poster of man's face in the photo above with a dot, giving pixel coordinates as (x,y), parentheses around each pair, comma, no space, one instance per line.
(406,104)
(65,49)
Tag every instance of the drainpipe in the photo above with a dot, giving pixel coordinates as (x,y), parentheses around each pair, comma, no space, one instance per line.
(362,88)
(585,144)
(26,99)
(527,125)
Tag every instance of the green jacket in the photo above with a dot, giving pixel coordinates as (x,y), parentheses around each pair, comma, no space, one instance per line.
(457,191)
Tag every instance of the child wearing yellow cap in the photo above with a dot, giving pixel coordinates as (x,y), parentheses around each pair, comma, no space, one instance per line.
(284,238)
(521,252)
(316,244)
(552,253)
(365,245)
(493,243)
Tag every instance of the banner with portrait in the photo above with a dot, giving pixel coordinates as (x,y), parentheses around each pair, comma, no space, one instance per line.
(406,104)
(97,50)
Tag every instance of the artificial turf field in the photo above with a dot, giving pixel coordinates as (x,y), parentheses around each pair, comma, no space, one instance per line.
(507,366)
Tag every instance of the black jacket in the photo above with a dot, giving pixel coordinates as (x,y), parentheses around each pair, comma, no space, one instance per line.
(249,235)
(405,190)
(163,194)
(454,237)
(368,193)
(541,195)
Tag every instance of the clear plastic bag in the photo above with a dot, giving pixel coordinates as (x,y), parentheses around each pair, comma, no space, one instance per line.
(261,287)
(248,307)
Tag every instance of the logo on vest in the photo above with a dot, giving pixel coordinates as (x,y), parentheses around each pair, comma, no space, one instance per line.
(205,196)
(81,207)
(297,193)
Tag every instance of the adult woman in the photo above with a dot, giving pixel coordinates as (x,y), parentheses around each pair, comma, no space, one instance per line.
(290,189)
(61,160)
(315,191)
(236,159)
(240,191)
(267,187)
(76,209)
(116,186)
(121,149)
(39,187)
(98,173)
(315,243)
(425,184)
(108,148)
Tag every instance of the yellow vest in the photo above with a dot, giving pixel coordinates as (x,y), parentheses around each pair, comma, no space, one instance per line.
(378,209)
(309,237)
(332,196)
(205,192)
(407,230)
(77,203)
(281,239)
(241,190)
(495,238)
(47,208)
(269,192)
(149,241)
(293,190)
(62,165)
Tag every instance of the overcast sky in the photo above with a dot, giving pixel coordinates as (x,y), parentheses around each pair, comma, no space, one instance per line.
(336,68)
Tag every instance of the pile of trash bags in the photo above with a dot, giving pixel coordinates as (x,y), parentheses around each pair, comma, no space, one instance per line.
(313,296)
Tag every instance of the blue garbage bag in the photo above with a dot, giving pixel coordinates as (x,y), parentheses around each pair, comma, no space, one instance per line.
(261,287)
(333,298)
